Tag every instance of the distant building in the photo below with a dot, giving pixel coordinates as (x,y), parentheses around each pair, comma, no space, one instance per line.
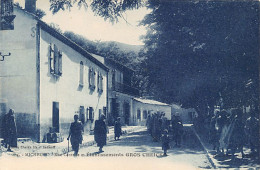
(143,107)
(186,115)
(48,78)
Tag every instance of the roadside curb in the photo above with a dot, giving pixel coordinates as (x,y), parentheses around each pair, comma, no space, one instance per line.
(209,156)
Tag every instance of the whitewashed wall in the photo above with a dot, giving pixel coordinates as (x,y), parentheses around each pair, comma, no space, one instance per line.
(18,72)
(66,89)
(149,107)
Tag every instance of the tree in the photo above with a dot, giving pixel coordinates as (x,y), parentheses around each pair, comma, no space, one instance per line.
(108,9)
(204,49)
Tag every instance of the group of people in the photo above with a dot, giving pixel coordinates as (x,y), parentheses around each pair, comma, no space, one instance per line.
(9,130)
(159,128)
(100,132)
(229,133)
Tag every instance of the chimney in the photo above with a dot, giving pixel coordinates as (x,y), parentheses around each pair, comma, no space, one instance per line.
(30,6)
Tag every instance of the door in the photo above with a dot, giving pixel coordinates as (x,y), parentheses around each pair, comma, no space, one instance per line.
(127,113)
(55,117)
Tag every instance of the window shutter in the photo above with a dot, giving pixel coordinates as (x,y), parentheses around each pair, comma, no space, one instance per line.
(81,74)
(98,82)
(89,77)
(94,78)
(56,61)
(51,57)
(60,63)
(101,83)
(87,114)
(91,113)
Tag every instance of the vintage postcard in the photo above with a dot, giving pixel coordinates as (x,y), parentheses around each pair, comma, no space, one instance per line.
(129,84)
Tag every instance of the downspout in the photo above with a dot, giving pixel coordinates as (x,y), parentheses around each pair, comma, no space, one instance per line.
(38,81)
(107,96)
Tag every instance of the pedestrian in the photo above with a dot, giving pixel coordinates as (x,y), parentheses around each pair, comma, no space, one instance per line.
(224,132)
(174,125)
(179,133)
(149,124)
(165,142)
(213,138)
(100,132)
(75,134)
(252,131)
(237,133)
(10,132)
(117,129)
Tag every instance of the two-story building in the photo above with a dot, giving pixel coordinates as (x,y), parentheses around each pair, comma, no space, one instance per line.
(47,78)
(120,92)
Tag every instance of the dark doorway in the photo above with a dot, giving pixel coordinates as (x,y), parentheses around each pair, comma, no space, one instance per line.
(115,109)
(127,113)
(55,116)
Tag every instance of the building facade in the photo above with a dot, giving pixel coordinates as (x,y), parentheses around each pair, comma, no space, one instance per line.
(144,107)
(48,78)
(120,92)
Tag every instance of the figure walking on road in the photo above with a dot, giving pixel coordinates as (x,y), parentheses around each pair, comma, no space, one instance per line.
(10,133)
(100,132)
(75,134)
(165,142)
(117,129)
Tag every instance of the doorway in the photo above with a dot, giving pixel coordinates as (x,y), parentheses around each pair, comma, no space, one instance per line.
(127,113)
(55,117)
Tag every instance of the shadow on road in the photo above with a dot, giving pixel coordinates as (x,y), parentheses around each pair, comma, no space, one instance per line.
(143,143)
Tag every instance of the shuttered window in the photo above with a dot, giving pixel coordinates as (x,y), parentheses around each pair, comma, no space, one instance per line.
(55,60)
(92,76)
(81,74)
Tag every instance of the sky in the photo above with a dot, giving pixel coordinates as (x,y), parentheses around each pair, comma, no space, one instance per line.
(83,22)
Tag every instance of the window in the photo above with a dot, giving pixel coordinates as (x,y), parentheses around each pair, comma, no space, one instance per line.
(105,111)
(99,112)
(81,74)
(100,83)
(91,114)
(138,114)
(92,76)
(55,60)
(145,114)
(6,13)
(82,114)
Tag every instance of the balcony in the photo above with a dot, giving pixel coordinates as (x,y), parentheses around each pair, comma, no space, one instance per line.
(123,88)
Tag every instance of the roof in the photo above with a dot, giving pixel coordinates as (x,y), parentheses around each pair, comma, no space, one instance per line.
(175,106)
(66,41)
(118,65)
(148,101)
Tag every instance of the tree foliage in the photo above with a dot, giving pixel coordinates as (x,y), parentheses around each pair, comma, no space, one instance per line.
(205,50)
(108,9)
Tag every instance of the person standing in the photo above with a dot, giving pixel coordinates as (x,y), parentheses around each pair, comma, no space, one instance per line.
(252,131)
(75,134)
(117,129)
(100,132)
(237,133)
(165,142)
(179,133)
(149,124)
(10,132)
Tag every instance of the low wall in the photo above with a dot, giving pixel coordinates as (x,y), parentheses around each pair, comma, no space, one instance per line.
(26,125)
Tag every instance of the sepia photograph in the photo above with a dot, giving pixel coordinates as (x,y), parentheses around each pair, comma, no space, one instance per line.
(129,84)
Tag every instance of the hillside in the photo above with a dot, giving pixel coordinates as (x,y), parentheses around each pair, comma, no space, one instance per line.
(126,47)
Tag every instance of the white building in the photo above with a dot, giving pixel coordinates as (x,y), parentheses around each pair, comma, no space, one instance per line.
(143,107)
(48,78)
(186,115)
(120,92)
